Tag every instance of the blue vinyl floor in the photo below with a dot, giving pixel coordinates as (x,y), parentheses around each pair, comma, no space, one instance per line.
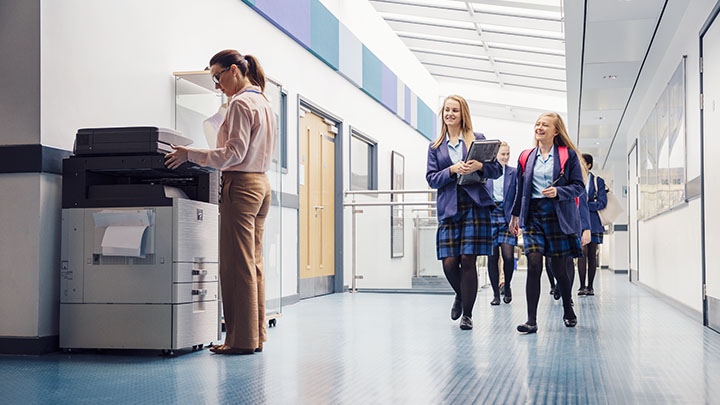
(629,347)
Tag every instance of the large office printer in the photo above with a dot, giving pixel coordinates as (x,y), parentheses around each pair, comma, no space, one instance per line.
(139,267)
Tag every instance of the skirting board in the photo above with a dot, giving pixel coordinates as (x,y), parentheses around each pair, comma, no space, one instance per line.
(690,312)
(29,345)
(713,313)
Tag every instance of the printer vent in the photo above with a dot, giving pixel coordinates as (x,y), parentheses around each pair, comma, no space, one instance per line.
(100,260)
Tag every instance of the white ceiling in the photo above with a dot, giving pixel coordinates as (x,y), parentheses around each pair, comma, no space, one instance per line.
(587,52)
(515,46)
(610,41)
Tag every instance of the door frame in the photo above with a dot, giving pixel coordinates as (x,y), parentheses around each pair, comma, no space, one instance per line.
(306,104)
(706,26)
(636,227)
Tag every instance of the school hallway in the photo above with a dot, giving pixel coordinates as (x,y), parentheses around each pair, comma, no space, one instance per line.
(629,347)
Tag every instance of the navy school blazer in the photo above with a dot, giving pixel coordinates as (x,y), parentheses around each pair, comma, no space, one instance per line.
(584,211)
(597,201)
(568,189)
(438,177)
(508,190)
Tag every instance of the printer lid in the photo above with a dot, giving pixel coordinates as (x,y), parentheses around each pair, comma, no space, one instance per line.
(127,140)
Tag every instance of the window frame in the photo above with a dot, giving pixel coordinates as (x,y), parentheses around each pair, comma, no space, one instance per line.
(372,159)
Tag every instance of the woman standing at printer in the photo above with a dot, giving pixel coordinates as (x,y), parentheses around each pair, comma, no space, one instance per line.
(244,149)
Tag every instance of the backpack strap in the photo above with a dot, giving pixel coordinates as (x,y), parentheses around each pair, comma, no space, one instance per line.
(524,157)
(563,155)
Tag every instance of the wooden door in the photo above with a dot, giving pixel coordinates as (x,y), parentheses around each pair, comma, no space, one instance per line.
(317,202)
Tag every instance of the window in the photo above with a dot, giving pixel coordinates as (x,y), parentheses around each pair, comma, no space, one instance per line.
(278,103)
(363,162)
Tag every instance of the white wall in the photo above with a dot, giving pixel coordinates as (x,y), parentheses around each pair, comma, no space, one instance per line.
(519,135)
(110,63)
(670,244)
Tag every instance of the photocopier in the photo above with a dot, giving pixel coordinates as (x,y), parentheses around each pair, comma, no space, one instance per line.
(139,252)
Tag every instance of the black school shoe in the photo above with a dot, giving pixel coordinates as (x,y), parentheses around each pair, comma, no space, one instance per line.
(508,294)
(589,291)
(582,291)
(456,310)
(526,329)
(466,323)
(495,301)
(570,320)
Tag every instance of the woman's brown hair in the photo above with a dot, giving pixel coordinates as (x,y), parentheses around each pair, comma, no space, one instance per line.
(466,128)
(563,139)
(248,65)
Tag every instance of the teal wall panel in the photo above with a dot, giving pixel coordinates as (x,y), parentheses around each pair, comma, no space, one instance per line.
(425,120)
(372,74)
(324,34)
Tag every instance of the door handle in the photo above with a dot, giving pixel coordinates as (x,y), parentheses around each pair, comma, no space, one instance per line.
(318,207)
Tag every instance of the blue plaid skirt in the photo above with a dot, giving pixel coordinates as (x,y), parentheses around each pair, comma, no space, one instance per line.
(542,232)
(596,237)
(469,232)
(500,231)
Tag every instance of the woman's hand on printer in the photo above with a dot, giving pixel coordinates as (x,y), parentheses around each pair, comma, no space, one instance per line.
(175,159)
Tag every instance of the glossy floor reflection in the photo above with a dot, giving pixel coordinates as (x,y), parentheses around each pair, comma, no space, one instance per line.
(629,347)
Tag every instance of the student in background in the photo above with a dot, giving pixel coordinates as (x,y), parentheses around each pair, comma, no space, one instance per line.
(464,225)
(503,192)
(597,200)
(545,208)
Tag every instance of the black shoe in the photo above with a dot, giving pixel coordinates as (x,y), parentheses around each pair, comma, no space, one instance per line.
(556,294)
(525,329)
(456,310)
(582,291)
(495,301)
(508,295)
(552,290)
(589,291)
(466,323)
(570,319)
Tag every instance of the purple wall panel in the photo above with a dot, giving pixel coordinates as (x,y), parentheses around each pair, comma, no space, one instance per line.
(389,89)
(292,16)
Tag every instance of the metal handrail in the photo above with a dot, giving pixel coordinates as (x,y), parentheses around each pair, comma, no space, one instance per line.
(377,192)
(356,211)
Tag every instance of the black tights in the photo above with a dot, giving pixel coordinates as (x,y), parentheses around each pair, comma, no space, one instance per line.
(532,287)
(462,275)
(508,266)
(570,272)
(588,263)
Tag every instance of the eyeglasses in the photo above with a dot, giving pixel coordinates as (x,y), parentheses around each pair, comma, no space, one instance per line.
(216,76)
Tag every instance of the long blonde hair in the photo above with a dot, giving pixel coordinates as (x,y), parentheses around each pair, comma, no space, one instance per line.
(466,128)
(563,139)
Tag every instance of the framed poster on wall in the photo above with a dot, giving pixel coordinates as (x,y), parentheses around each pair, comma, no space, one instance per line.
(397,213)
(662,148)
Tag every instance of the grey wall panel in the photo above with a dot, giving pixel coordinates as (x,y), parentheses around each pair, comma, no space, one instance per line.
(20,72)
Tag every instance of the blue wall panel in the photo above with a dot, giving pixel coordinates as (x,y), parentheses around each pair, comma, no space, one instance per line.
(372,74)
(324,34)
(425,120)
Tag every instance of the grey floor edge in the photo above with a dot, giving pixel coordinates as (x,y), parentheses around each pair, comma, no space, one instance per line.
(630,347)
